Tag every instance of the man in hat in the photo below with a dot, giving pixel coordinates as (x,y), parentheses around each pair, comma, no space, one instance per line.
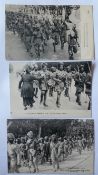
(68,81)
(27,36)
(59,82)
(76,34)
(63,31)
(37,40)
(44,84)
(55,34)
(47,148)
(79,145)
(23,152)
(65,147)
(32,151)
(88,86)
(72,44)
(41,146)
(54,152)
(51,82)
(60,148)
(79,78)
(12,154)
(36,74)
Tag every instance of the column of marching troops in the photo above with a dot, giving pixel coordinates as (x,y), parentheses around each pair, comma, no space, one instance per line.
(36,33)
(54,80)
(49,150)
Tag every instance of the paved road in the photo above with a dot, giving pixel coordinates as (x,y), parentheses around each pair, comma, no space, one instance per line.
(17,104)
(74,163)
(15,50)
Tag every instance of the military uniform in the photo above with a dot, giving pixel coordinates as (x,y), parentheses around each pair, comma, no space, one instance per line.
(65,148)
(54,155)
(59,84)
(37,41)
(44,86)
(79,145)
(42,153)
(88,83)
(89,142)
(21,30)
(79,83)
(72,44)
(68,83)
(63,36)
(55,36)
(47,148)
(32,151)
(51,81)
(60,149)
(27,37)
(36,74)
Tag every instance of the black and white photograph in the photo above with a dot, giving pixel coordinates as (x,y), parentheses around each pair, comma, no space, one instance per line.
(50,146)
(51,87)
(48,32)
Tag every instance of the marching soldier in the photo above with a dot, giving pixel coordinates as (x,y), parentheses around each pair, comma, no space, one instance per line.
(54,152)
(44,84)
(32,151)
(65,147)
(55,34)
(27,36)
(23,151)
(72,44)
(35,32)
(88,83)
(37,41)
(89,142)
(51,81)
(76,34)
(59,83)
(60,148)
(68,81)
(47,148)
(79,79)
(69,146)
(63,33)
(35,82)
(42,153)
(79,145)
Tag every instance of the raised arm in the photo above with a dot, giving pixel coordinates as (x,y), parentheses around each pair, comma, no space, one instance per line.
(20,82)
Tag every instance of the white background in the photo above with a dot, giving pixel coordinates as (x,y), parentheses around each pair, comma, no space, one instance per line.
(4,78)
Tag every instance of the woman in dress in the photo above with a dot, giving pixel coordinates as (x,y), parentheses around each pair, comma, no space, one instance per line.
(26,86)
